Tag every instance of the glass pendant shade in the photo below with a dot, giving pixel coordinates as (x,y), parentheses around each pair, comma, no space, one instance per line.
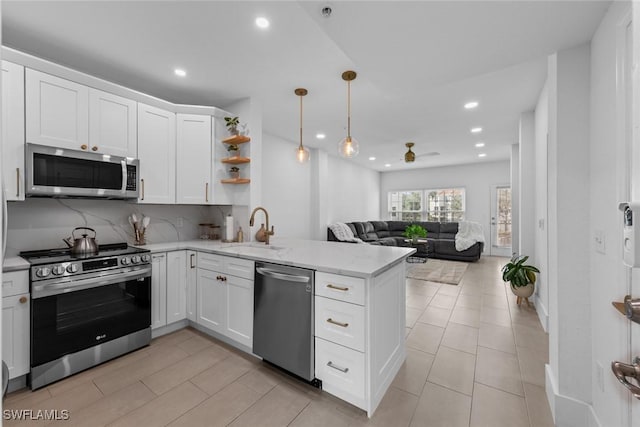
(302,154)
(348,147)
(409,156)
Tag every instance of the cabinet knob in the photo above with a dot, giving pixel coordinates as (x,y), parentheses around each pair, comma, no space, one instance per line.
(23,300)
(94,148)
(83,146)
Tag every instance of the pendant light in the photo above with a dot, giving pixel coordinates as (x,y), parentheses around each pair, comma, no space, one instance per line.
(302,153)
(348,147)
(409,156)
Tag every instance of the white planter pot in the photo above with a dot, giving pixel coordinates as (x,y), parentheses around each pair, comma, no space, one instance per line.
(523,291)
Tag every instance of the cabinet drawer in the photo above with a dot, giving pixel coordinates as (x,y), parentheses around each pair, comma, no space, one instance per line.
(341,371)
(210,261)
(343,288)
(239,267)
(340,322)
(15,283)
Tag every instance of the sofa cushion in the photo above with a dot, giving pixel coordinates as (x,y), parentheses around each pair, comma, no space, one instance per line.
(369,232)
(381,228)
(433,228)
(396,228)
(448,230)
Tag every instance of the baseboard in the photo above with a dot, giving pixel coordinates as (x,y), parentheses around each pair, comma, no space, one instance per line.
(158,332)
(543,313)
(567,411)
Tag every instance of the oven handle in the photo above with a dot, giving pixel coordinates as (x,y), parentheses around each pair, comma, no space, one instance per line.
(40,291)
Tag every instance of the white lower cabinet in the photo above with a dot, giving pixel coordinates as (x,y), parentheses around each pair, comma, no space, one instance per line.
(225,296)
(341,370)
(176,286)
(15,322)
(158,290)
(192,288)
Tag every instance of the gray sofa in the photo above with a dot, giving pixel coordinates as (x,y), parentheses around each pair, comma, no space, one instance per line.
(440,236)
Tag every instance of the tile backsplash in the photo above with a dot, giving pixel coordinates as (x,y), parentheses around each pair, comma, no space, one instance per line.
(42,223)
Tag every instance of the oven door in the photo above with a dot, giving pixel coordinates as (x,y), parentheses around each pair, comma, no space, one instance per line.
(73,320)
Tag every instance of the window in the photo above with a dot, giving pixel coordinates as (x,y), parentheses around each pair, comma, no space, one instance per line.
(439,205)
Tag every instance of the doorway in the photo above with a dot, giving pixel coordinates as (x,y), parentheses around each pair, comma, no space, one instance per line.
(500,240)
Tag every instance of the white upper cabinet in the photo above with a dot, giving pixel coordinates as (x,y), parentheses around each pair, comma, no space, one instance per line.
(57,111)
(112,124)
(157,154)
(194,160)
(13,130)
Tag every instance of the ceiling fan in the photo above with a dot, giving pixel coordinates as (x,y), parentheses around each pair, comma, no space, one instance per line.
(410,156)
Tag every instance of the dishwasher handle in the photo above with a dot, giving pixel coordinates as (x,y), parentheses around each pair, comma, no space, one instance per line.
(282,276)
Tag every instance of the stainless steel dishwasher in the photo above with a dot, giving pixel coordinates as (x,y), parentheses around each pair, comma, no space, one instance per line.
(283,318)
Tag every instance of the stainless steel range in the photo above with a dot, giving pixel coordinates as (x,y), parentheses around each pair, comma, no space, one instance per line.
(86,310)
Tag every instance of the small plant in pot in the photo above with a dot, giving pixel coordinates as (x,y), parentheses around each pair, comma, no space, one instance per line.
(521,276)
(234,172)
(233,150)
(415,232)
(232,124)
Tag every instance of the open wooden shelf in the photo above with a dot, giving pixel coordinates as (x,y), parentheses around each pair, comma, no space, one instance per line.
(236,160)
(236,139)
(236,181)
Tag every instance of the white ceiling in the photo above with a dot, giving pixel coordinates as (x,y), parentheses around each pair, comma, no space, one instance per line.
(418,62)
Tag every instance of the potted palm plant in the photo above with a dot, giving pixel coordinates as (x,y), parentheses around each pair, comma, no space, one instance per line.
(232,124)
(521,276)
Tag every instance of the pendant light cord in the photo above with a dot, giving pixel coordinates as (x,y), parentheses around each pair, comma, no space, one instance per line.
(349,109)
(300,123)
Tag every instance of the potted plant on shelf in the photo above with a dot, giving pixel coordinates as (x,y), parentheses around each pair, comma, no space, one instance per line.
(232,124)
(233,150)
(415,232)
(234,172)
(521,276)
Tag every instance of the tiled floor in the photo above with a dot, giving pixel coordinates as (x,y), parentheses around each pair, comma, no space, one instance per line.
(474,358)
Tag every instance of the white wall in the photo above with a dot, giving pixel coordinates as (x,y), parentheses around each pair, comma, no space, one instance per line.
(353,192)
(568,224)
(541,257)
(526,171)
(477,180)
(608,161)
(515,195)
(286,188)
(41,223)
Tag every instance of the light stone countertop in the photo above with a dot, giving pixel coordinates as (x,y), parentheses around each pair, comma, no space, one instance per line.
(14,263)
(351,259)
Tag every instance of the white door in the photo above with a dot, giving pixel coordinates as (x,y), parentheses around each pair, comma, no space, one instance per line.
(158,290)
(13,130)
(176,286)
(112,124)
(194,161)
(157,154)
(15,334)
(57,111)
(212,300)
(500,240)
(239,325)
(192,289)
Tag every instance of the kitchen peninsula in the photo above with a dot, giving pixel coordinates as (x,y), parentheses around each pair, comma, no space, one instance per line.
(359,304)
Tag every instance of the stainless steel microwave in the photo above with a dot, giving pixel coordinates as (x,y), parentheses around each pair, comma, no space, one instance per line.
(61,172)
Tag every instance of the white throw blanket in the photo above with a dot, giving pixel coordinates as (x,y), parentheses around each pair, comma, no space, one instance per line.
(468,234)
(343,232)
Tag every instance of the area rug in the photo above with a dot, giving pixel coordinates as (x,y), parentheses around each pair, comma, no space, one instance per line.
(437,270)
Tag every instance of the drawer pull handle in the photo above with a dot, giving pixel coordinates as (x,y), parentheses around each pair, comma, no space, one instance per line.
(338,368)
(337,288)
(344,325)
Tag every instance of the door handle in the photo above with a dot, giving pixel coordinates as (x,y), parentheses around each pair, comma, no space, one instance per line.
(622,371)
(192,256)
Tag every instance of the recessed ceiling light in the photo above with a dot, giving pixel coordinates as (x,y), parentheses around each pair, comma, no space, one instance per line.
(476,130)
(180,72)
(479,144)
(372,158)
(387,165)
(471,105)
(321,135)
(482,155)
(262,22)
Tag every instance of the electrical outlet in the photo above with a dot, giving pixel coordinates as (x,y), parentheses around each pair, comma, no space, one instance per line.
(599,239)
(180,222)
(600,376)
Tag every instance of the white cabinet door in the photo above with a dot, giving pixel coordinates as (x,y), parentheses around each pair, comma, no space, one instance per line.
(194,161)
(15,334)
(57,111)
(176,286)
(112,124)
(192,289)
(158,290)
(13,130)
(211,300)
(157,154)
(239,324)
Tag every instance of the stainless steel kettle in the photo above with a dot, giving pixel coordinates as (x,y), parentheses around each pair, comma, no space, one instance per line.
(84,245)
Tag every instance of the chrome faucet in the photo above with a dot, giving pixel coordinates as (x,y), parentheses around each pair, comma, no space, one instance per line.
(267,232)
